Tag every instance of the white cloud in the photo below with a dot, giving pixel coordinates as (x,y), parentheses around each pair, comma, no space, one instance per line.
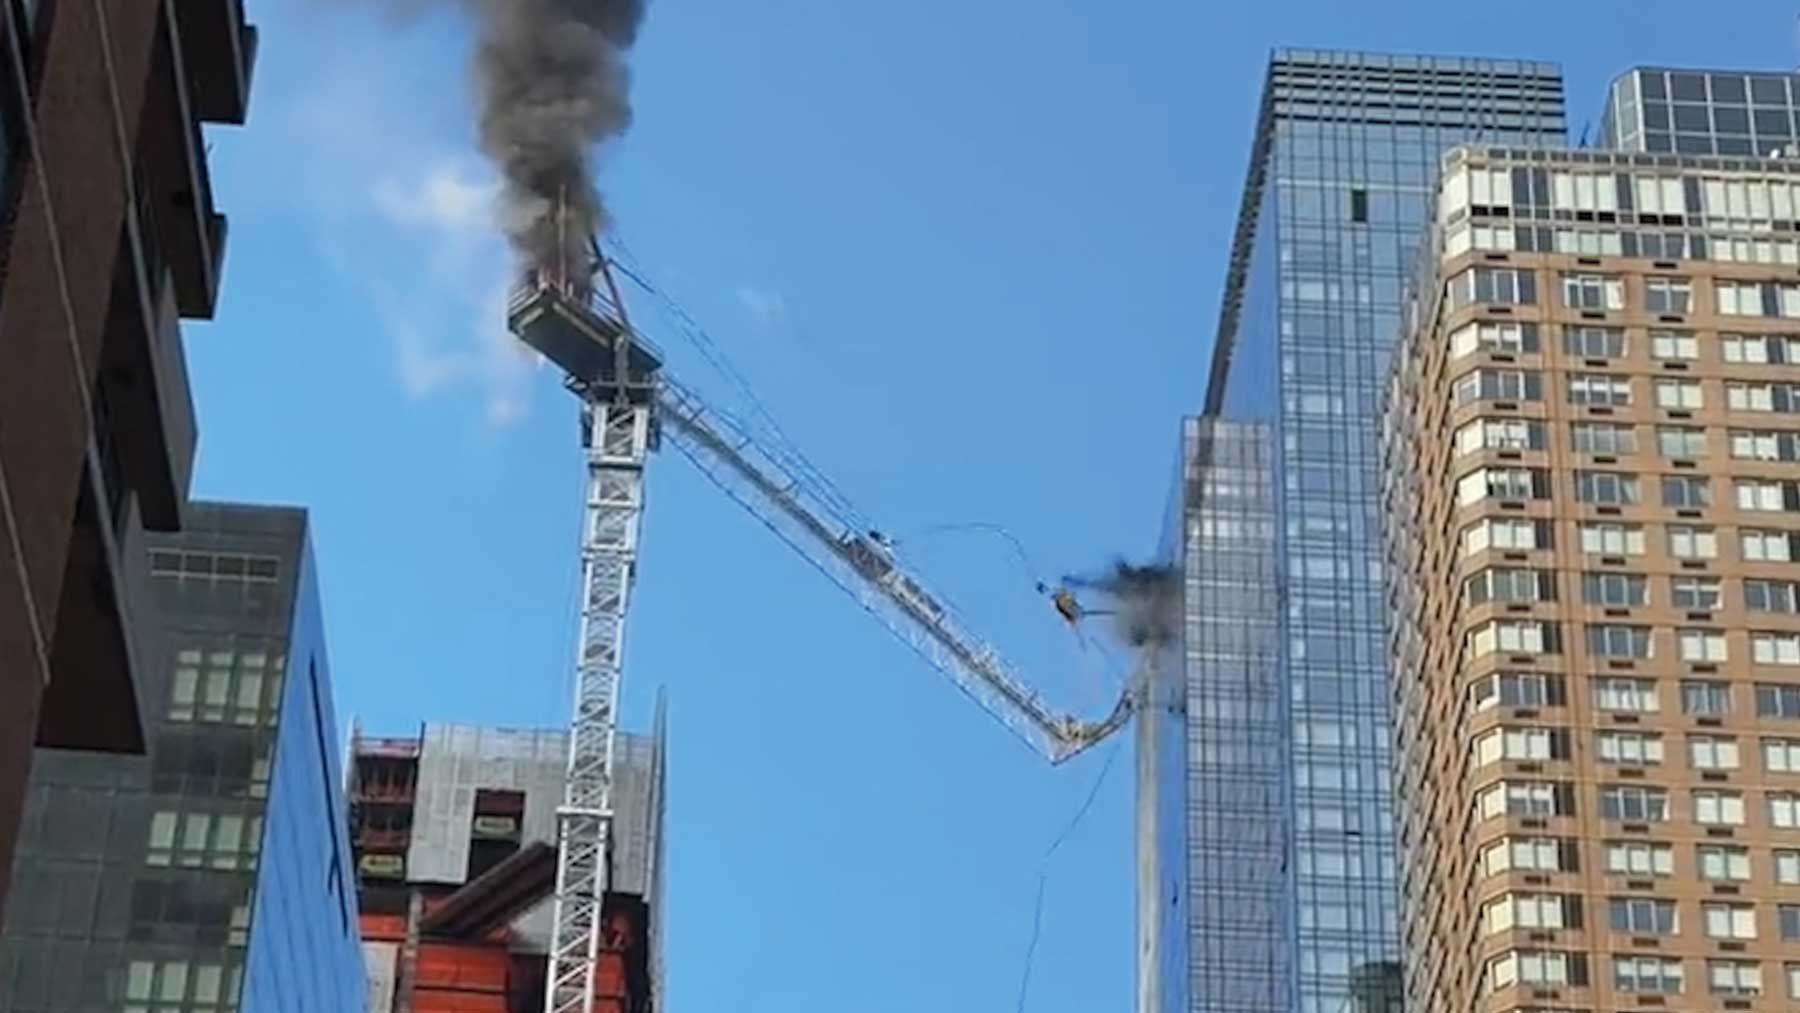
(407,219)
(452,198)
(765,306)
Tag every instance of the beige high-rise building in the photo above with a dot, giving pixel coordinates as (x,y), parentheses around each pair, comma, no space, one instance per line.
(1592,488)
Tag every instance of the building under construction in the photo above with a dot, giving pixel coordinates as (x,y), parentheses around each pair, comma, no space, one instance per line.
(454,833)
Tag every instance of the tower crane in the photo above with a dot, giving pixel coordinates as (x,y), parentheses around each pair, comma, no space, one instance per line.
(629,408)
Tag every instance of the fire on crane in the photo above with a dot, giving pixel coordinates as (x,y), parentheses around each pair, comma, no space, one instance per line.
(629,406)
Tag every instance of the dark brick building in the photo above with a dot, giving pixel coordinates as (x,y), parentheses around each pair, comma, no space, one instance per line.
(108,236)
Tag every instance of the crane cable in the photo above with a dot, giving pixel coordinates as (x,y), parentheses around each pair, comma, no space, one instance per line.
(709,349)
(1037,914)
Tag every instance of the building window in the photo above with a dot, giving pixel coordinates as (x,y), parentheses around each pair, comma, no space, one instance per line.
(1639,858)
(1705,698)
(1761,495)
(1684,395)
(1784,810)
(1525,798)
(1625,694)
(1722,863)
(1513,637)
(1757,299)
(197,840)
(1775,648)
(1612,539)
(1636,749)
(226,683)
(1502,483)
(1498,385)
(1787,867)
(1780,398)
(1530,854)
(1674,346)
(1541,968)
(1668,295)
(1506,534)
(1781,596)
(1686,492)
(1712,752)
(1594,342)
(1603,438)
(1764,445)
(1740,978)
(1521,744)
(1647,975)
(1718,808)
(1593,292)
(1516,689)
(1701,645)
(1781,756)
(1765,546)
(1689,542)
(1493,285)
(1776,701)
(1529,911)
(1681,441)
(1729,921)
(1697,593)
(1511,586)
(1599,389)
(1617,640)
(1632,803)
(1618,590)
(1641,916)
(1506,338)
(1607,488)
(175,986)
(1759,348)
(1500,434)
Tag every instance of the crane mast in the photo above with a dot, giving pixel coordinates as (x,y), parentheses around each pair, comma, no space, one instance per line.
(576,319)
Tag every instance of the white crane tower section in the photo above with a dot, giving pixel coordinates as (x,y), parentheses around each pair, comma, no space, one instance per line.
(578,322)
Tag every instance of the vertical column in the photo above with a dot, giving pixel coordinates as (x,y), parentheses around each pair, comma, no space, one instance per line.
(617,441)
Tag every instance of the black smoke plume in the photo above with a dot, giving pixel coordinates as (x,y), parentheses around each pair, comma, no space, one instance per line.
(1145,601)
(552,84)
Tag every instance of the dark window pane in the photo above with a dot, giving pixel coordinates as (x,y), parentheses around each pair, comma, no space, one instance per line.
(1651,82)
(1771,122)
(1728,89)
(1656,115)
(1688,87)
(1735,146)
(1691,118)
(1769,89)
(1658,142)
(1693,144)
(1731,120)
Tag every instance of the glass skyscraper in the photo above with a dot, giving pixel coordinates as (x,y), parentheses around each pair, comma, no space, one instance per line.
(214,874)
(1340,175)
(1701,112)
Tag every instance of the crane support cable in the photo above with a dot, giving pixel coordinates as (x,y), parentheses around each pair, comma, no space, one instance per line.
(703,342)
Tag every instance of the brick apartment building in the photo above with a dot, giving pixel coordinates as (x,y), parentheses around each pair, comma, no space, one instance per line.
(108,235)
(1592,493)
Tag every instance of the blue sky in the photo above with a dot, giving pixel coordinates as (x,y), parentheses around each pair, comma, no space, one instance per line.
(969,254)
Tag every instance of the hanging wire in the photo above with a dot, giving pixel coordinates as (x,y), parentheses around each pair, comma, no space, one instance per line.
(1018,547)
(1037,913)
